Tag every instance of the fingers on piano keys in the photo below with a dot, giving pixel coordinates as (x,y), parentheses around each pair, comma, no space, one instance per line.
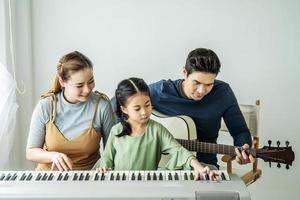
(168,175)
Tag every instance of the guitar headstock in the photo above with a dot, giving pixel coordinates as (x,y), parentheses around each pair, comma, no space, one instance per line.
(284,155)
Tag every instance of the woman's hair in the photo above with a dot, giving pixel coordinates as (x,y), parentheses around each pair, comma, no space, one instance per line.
(126,88)
(202,60)
(67,65)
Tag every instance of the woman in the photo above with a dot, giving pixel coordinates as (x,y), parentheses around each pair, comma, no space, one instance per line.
(69,121)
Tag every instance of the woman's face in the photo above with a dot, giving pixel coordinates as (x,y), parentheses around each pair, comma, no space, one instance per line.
(138,108)
(80,86)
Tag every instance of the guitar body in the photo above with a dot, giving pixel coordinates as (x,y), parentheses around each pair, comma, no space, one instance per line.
(181,127)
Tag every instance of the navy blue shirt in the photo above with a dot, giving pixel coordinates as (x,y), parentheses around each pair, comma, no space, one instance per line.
(168,98)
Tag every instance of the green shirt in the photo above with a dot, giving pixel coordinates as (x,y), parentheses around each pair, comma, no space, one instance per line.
(143,152)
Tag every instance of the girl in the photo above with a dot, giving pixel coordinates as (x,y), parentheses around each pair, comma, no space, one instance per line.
(137,142)
(68,122)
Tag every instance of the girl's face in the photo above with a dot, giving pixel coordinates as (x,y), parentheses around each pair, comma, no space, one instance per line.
(79,87)
(138,108)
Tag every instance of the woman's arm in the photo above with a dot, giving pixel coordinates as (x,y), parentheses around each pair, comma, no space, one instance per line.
(59,160)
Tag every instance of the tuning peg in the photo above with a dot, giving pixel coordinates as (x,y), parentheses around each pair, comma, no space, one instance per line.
(278,165)
(269,142)
(287,166)
(270,164)
(278,143)
(287,143)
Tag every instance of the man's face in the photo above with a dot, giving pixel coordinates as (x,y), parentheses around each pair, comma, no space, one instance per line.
(198,84)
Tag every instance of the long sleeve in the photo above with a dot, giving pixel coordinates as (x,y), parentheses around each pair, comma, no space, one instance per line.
(108,155)
(180,157)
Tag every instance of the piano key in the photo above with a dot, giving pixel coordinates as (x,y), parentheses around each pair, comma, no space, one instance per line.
(14,177)
(154,176)
(169,176)
(123,176)
(50,177)
(66,177)
(118,177)
(81,176)
(39,176)
(23,177)
(102,176)
(96,178)
(185,176)
(60,176)
(176,176)
(160,176)
(148,176)
(87,177)
(44,177)
(2,177)
(139,177)
(7,177)
(75,177)
(111,177)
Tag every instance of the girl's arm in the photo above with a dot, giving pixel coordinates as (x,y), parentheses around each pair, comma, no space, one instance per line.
(199,169)
(107,157)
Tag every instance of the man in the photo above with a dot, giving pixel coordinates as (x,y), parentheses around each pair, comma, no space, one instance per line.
(206,100)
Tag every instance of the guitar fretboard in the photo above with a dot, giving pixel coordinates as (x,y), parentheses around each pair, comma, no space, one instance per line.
(204,147)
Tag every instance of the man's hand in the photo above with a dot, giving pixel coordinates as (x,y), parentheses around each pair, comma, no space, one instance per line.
(242,157)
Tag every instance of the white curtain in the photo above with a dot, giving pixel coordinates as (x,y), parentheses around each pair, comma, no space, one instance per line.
(8,108)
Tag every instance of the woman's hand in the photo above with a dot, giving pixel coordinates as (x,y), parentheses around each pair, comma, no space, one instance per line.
(199,170)
(103,169)
(61,162)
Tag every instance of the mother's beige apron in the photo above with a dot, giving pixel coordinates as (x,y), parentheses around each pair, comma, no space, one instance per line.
(83,150)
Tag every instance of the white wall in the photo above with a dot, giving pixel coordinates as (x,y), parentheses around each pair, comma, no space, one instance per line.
(257,41)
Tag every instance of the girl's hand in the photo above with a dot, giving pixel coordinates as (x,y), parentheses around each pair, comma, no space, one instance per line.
(242,157)
(199,170)
(103,169)
(61,162)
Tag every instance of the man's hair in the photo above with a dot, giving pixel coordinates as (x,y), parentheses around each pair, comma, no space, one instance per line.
(202,60)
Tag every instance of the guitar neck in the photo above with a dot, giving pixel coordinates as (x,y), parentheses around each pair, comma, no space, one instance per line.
(204,147)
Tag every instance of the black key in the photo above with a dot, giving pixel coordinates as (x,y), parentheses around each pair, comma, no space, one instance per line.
(81,177)
(139,177)
(102,177)
(66,177)
(7,177)
(148,176)
(14,177)
(75,177)
(185,176)
(29,177)
(2,177)
(206,177)
(154,176)
(123,177)
(176,176)
(44,177)
(223,176)
(160,177)
(38,177)
(60,176)
(191,176)
(118,177)
(132,177)
(50,177)
(170,176)
(111,177)
(87,177)
(23,177)
(96,177)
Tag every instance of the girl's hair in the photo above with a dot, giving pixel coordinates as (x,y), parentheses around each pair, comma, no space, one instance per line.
(67,65)
(126,89)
